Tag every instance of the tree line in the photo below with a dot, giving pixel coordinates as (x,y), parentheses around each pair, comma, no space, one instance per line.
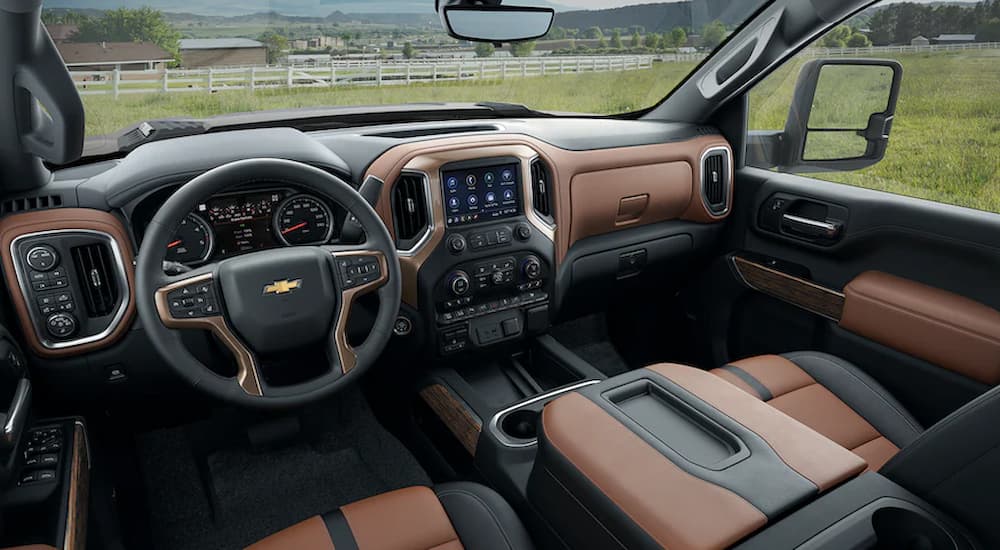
(900,23)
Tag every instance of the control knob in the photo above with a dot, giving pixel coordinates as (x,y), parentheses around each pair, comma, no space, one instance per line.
(522,231)
(531,268)
(42,258)
(61,325)
(459,283)
(498,277)
(456,244)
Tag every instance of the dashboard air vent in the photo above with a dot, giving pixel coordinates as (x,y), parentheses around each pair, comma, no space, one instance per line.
(25,204)
(95,272)
(715,181)
(409,210)
(541,190)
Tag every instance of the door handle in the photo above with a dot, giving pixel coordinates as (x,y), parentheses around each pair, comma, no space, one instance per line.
(812,228)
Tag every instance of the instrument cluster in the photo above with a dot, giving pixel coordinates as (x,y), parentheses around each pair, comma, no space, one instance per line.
(235,223)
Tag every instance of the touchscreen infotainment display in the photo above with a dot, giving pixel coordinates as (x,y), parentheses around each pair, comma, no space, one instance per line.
(476,195)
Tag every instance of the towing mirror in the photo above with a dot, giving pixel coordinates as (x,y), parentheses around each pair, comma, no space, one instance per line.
(494,22)
(839,120)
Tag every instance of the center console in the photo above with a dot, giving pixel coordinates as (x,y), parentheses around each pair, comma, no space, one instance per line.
(490,279)
(674,457)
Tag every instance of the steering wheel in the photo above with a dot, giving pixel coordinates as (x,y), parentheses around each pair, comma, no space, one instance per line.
(272,302)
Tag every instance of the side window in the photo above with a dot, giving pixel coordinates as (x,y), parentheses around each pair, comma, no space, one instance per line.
(944,136)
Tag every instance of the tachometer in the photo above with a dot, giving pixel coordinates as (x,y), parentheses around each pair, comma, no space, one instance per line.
(192,242)
(302,219)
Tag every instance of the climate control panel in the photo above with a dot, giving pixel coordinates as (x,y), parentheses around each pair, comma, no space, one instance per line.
(73,283)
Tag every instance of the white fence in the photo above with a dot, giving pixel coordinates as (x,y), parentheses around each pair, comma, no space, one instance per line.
(346,73)
(877,50)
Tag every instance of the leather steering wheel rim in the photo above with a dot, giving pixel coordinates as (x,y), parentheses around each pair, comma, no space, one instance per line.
(152,285)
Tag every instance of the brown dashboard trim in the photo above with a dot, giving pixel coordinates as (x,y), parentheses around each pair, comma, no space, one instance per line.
(14,226)
(563,165)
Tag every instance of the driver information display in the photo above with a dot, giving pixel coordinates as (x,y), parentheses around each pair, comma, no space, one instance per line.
(242,223)
(481,194)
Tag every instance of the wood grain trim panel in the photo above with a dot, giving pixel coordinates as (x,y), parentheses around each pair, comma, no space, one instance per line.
(12,227)
(461,422)
(799,292)
(79,492)
(563,165)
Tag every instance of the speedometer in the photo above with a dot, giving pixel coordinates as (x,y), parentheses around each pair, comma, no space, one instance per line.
(192,241)
(302,219)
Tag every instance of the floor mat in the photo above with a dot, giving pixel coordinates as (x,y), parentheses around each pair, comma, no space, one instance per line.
(252,494)
(588,338)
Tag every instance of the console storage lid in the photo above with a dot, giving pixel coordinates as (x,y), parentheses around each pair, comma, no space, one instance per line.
(672,456)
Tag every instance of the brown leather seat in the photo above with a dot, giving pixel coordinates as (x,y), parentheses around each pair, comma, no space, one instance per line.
(451,516)
(831,396)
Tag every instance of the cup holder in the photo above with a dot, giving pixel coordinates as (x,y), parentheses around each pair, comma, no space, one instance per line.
(902,529)
(521,424)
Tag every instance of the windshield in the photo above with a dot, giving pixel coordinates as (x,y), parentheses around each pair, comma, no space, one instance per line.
(139,60)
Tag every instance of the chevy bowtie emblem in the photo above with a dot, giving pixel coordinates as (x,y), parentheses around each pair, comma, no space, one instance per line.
(282,287)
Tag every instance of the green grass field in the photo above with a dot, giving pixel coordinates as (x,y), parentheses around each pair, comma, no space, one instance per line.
(945,142)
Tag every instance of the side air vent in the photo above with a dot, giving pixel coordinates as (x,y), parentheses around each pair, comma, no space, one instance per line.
(409,210)
(541,190)
(26,204)
(94,269)
(715,180)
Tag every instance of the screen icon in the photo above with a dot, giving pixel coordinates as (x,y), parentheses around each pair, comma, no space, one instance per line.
(507,175)
(508,194)
(491,197)
(453,203)
(453,183)
(473,200)
(471,180)
(488,177)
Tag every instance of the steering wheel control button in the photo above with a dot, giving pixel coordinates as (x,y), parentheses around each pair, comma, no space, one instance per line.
(61,325)
(358,271)
(403,326)
(42,258)
(195,301)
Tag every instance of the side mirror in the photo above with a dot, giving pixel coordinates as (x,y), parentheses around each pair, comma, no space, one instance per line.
(494,22)
(839,120)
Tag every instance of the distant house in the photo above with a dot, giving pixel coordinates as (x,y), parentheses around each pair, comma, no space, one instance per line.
(61,33)
(954,39)
(920,41)
(222,52)
(106,56)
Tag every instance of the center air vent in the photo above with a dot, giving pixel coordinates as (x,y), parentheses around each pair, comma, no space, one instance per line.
(541,190)
(95,274)
(715,181)
(409,210)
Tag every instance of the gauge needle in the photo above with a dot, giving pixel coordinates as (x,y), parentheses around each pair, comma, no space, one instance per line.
(294,227)
(175,243)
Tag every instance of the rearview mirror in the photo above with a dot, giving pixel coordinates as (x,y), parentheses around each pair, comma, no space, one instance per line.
(496,23)
(840,118)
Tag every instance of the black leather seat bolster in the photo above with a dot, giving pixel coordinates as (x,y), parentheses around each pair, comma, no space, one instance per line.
(955,465)
(481,517)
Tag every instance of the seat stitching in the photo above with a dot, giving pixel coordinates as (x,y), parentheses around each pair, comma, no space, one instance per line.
(482,503)
(872,390)
(876,438)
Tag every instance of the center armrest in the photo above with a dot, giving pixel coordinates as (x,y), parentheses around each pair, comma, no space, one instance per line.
(672,456)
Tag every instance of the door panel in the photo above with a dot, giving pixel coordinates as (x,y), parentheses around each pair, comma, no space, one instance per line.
(797,277)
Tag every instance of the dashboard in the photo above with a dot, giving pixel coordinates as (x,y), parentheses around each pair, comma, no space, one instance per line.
(500,232)
(244,221)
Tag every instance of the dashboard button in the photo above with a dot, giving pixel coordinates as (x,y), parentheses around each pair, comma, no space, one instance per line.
(522,232)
